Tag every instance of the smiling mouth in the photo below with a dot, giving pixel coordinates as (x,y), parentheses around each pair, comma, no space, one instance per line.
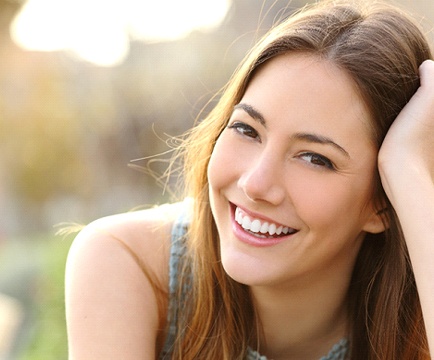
(261,228)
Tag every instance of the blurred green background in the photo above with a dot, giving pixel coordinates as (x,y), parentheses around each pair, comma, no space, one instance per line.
(85,88)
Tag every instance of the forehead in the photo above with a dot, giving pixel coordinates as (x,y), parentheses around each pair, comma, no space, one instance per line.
(310,89)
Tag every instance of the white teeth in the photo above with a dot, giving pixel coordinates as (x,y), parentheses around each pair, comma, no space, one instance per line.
(272,229)
(246,223)
(238,216)
(256,226)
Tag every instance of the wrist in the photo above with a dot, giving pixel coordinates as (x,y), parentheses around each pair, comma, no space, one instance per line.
(403,177)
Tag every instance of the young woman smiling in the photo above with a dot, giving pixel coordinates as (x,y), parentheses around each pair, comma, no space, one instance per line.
(307,229)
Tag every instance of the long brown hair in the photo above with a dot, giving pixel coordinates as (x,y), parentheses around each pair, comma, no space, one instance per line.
(381,49)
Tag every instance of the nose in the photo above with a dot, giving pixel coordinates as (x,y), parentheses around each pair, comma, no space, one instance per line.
(262,180)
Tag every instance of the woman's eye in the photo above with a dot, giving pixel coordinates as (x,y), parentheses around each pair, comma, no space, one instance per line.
(317,160)
(244,129)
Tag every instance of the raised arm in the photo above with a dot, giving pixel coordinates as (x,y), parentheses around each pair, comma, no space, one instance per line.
(111,306)
(406,163)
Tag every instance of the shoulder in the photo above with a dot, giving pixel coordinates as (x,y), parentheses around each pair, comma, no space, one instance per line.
(112,269)
(145,233)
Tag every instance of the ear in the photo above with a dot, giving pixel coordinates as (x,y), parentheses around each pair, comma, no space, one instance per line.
(377,222)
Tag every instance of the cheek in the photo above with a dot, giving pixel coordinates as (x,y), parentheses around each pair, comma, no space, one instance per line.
(330,201)
(219,164)
(224,164)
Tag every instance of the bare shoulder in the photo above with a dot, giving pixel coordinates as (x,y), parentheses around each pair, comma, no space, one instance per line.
(108,288)
(146,233)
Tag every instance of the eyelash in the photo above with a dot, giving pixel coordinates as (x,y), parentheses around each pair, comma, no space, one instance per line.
(315,159)
(243,129)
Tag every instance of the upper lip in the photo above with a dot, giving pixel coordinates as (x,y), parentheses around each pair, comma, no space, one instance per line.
(255,215)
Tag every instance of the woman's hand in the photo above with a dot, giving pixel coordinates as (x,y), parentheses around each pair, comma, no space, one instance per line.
(406,164)
(407,152)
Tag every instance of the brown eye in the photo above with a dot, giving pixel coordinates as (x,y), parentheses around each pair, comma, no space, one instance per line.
(244,129)
(317,160)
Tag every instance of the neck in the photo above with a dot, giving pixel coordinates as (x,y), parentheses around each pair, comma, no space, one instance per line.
(301,322)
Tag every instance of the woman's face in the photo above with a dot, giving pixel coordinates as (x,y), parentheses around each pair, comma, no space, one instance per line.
(291,177)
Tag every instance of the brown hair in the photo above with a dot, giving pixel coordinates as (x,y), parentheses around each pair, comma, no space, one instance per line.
(381,49)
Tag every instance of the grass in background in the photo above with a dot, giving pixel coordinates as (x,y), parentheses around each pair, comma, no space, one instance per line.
(49,334)
(32,271)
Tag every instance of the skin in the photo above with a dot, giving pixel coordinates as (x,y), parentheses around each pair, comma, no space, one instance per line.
(111,308)
(270,172)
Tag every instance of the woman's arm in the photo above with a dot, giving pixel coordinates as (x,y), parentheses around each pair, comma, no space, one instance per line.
(111,307)
(406,164)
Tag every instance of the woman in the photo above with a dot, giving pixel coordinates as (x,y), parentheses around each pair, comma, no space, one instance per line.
(312,189)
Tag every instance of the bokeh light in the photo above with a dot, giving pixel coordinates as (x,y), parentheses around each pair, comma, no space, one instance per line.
(99,31)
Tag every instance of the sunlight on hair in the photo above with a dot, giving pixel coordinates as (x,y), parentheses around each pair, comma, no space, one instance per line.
(99,31)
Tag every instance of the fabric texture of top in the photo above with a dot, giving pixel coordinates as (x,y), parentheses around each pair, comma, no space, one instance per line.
(178,249)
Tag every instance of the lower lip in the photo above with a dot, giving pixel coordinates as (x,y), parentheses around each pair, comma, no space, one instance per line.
(253,240)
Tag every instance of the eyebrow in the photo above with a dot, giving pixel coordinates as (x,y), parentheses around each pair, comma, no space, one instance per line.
(308,137)
(249,109)
(319,139)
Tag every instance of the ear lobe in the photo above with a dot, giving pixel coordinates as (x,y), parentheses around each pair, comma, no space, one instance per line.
(378,222)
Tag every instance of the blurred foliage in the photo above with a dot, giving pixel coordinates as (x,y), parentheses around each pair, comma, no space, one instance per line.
(43,333)
(32,271)
(49,333)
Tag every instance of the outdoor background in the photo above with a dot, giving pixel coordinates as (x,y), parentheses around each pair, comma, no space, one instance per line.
(88,87)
